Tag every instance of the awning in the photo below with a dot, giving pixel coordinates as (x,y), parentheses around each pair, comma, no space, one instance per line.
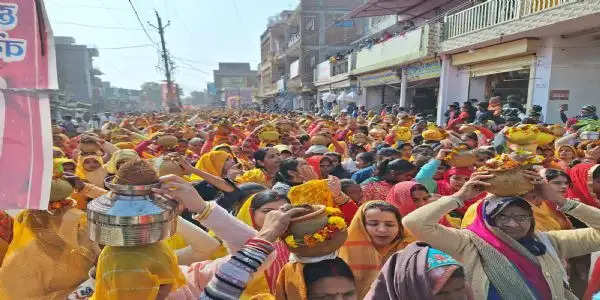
(507,65)
(405,9)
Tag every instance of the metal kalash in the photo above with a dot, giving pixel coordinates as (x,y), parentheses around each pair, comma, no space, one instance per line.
(131,215)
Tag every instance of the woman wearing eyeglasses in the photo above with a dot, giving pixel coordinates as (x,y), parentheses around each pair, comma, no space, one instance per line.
(502,254)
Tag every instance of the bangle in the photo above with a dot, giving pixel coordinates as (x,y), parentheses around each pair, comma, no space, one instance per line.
(208,208)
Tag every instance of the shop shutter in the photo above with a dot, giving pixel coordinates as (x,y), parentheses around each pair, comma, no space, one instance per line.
(506,65)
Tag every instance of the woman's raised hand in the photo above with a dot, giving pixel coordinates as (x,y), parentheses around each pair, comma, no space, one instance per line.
(475,186)
(178,189)
(277,222)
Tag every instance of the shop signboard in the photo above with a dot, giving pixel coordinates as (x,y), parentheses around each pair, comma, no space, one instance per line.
(389,76)
(233,82)
(211,88)
(425,70)
(559,95)
(28,72)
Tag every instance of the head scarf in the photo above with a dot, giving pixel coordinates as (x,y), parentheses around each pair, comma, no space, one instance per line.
(263,282)
(120,156)
(557,150)
(401,197)
(360,254)
(136,272)
(57,149)
(291,284)
(95,177)
(444,187)
(510,265)
(582,189)
(417,272)
(125,145)
(212,162)
(315,163)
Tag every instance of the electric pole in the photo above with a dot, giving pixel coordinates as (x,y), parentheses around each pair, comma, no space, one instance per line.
(171,90)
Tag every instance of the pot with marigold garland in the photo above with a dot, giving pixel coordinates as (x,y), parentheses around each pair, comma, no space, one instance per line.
(319,232)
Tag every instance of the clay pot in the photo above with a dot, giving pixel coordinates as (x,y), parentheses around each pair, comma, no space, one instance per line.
(466,129)
(60,189)
(462,159)
(337,240)
(320,140)
(310,222)
(508,183)
(89,147)
(167,141)
(167,167)
(557,130)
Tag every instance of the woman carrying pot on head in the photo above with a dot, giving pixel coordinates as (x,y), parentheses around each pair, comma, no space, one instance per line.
(374,235)
(90,169)
(152,271)
(388,173)
(421,272)
(293,172)
(267,162)
(409,195)
(504,258)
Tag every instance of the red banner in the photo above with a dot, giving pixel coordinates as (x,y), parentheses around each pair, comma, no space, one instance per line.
(27,71)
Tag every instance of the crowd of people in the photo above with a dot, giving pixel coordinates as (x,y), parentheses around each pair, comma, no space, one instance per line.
(493,204)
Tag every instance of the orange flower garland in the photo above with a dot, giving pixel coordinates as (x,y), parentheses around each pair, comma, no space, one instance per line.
(335,223)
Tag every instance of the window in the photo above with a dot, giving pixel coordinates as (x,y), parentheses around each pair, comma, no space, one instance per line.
(310,23)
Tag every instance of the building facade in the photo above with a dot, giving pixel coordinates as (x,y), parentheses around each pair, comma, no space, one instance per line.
(234,84)
(77,77)
(296,42)
(543,52)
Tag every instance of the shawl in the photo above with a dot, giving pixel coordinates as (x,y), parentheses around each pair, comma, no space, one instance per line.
(362,257)
(95,177)
(416,272)
(136,272)
(400,196)
(118,157)
(581,176)
(211,162)
(513,272)
(49,255)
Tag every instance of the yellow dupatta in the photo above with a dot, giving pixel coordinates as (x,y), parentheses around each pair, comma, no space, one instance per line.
(254,175)
(49,255)
(120,156)
(362,257)
(211,162)
(96,177)
(136,272)
(291,284)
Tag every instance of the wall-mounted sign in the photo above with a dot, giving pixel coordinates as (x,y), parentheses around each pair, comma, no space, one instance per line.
(389,76)
(559,95)
(425,70)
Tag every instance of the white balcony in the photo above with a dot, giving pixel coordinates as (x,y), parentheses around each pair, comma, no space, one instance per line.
(495,12)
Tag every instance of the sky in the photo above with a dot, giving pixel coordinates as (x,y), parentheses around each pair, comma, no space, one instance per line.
(201,34)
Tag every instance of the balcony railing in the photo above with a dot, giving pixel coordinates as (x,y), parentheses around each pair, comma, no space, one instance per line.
(294,39)
(494,12)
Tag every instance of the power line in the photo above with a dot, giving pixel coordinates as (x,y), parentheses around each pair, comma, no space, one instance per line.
(137,16)
(127,47)
(96,26)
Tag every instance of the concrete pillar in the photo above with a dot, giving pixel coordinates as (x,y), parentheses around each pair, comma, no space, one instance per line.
(454,86)
(539,78)
(403,88)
